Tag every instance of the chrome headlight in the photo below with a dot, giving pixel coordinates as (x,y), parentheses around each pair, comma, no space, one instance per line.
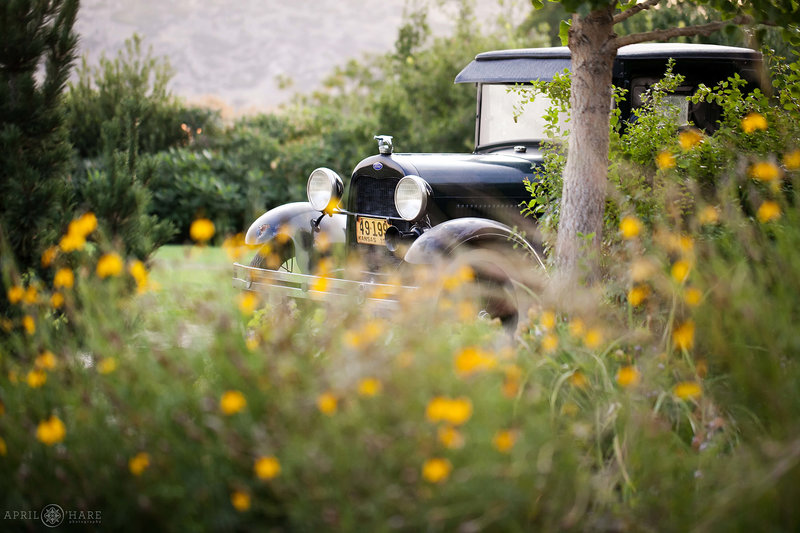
(411,197)
(324,189)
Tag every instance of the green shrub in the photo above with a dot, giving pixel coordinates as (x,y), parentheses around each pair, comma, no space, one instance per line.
(132,88)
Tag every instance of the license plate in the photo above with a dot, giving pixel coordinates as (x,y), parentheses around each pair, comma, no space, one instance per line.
(371,230)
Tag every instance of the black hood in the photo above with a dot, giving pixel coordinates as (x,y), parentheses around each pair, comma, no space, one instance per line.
(490,185)
(457,175)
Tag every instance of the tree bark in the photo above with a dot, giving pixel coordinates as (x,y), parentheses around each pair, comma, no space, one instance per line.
(592,45)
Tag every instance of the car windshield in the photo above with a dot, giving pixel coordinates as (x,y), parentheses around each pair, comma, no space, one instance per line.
(500,104)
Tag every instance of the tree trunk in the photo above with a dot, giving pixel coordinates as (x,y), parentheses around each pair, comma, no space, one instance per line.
(591,42)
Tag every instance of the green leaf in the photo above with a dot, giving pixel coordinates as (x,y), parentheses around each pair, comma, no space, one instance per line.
(537,4)
(563,31)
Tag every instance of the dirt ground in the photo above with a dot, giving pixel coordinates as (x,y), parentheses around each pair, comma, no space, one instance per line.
(235,51)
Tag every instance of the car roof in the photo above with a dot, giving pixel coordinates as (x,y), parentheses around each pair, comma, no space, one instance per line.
(525,64)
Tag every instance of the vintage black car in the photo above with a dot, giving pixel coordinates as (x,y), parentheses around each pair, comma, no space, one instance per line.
(398,209)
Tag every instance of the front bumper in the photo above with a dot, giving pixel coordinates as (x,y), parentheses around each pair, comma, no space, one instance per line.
(282,283)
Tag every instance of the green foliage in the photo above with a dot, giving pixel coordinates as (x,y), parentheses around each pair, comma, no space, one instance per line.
(547,183)
(132,88)
(117,195)
(35,154)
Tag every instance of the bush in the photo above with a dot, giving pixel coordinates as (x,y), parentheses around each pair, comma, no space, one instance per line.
(132,88)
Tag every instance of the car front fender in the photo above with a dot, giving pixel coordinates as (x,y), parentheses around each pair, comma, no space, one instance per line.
(295,222)
(446,238)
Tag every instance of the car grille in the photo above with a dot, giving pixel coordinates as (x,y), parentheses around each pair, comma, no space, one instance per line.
(375,196)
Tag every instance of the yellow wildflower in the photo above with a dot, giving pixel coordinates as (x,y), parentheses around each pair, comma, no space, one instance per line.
(466,311)
(267,467)
(628,376)
(201,230)
(51,431)
(240,500)
(367,334)
(768,211)
(576,327)
(29,324)
(791,160)
(247,303)
(139,273)
(578,379)
(455,411)
(547,320)
(685,244)
(320,284)
(57,300)
(36,378)
(510,387)
(49,255)
(234,246)
(680,270)
(139,463)
(372,330)
(232,402)
(665,160)
(463,275)
(109,264)
(284,234)
(708,215)
(46,360)
(436,470)
(327,403)
(107,365)
(472,359)
(31,295)
(692,296)
(64,279)
(638,294)
(683,335)
(593,338)
(84,225)
(754,121)
(689,138)
(630,227)
(369,387)
(504,440)
(549,343)
(686,390)
(765,171)
(252,343)
(450,437)
(72,242)
(436,408)
(15,294)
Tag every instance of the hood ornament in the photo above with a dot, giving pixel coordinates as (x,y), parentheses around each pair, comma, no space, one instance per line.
(384,144)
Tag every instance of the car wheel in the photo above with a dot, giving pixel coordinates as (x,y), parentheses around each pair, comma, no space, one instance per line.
(274,258)
(499,286)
